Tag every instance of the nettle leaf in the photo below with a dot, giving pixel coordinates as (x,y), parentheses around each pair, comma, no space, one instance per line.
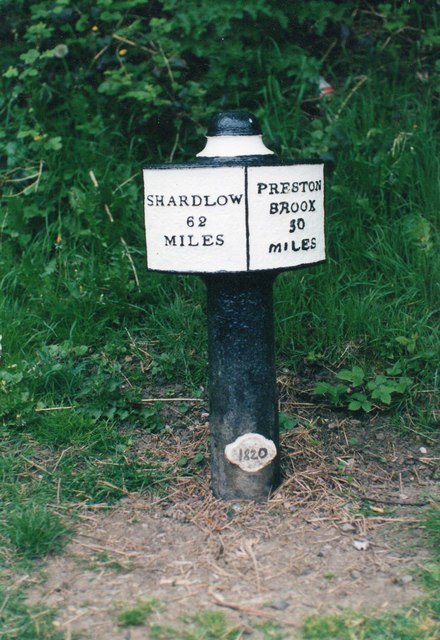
(332,391)
(360,401)
(11,72)
(356,376)
(383,393)
(286,422)
(403,384)
(30,56)
(53,144)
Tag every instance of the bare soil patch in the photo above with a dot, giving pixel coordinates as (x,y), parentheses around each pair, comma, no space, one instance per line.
(342,531)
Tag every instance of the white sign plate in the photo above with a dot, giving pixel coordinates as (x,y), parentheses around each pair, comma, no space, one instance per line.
(234,219)
(251,452)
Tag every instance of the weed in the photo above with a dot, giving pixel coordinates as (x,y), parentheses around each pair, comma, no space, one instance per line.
(138,615)
(207,625)
(34,531)
(361,392)
(433,528)
(286,422)
(19,620)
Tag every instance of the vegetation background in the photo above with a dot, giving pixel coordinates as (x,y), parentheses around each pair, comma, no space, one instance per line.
(89,92)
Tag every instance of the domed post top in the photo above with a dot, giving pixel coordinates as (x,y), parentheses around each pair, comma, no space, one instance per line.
(234,133)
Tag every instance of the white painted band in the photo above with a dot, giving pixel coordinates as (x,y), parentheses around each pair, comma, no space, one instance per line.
(231,146)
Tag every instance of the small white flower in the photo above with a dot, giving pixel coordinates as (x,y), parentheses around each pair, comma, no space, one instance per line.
(61,50)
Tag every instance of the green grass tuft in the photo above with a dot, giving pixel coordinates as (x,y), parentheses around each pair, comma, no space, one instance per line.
(34,531)
(138,615)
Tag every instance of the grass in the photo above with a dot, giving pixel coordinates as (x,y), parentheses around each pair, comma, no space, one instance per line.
(137,615)
(19,620)
(34,531)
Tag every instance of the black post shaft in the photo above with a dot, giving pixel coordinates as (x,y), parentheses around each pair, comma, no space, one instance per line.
(242,379)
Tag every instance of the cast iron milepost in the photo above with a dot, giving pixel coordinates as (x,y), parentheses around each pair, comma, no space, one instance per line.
(237,216)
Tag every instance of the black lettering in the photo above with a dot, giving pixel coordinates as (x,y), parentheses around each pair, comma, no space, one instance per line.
(183,201)
(273,208)
(196,201)
(313,243)
(262,453)
(285,187)
(207,241)
(159,201)
(190,243)
(312,205)
(236,199)
(172,202)
(296,223)
(261,186)
(275,248)
(170,241)
(149,200)
(273,188)
(295,187)
(208,203)
(294,247)
(303,184)
(317,185)
(284,207)
(219,240)
(222,200)
(305,244)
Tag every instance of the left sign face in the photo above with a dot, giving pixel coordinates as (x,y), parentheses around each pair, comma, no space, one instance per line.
(195,219)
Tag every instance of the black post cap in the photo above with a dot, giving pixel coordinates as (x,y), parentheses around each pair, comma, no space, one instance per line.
(234,123)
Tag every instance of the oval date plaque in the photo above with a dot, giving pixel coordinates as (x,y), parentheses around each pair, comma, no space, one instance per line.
(251,452)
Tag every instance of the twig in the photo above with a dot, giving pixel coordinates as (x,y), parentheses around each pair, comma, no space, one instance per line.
(99,54)
(176,142)
(148,400)
(397,503)
(104,483)
(133,44)
(109,213)
(124,244)
(98,547)
(36,465)
(60,458)
(41,409)
(93,179)
(130,259)
(125,182)
(248,548)
(249,610)
(348,98)
(5,602)
(167,64)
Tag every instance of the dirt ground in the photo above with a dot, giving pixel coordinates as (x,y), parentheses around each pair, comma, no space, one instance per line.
(342,532)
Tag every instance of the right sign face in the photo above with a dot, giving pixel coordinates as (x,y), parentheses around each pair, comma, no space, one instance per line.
(234,219)
(286,216)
